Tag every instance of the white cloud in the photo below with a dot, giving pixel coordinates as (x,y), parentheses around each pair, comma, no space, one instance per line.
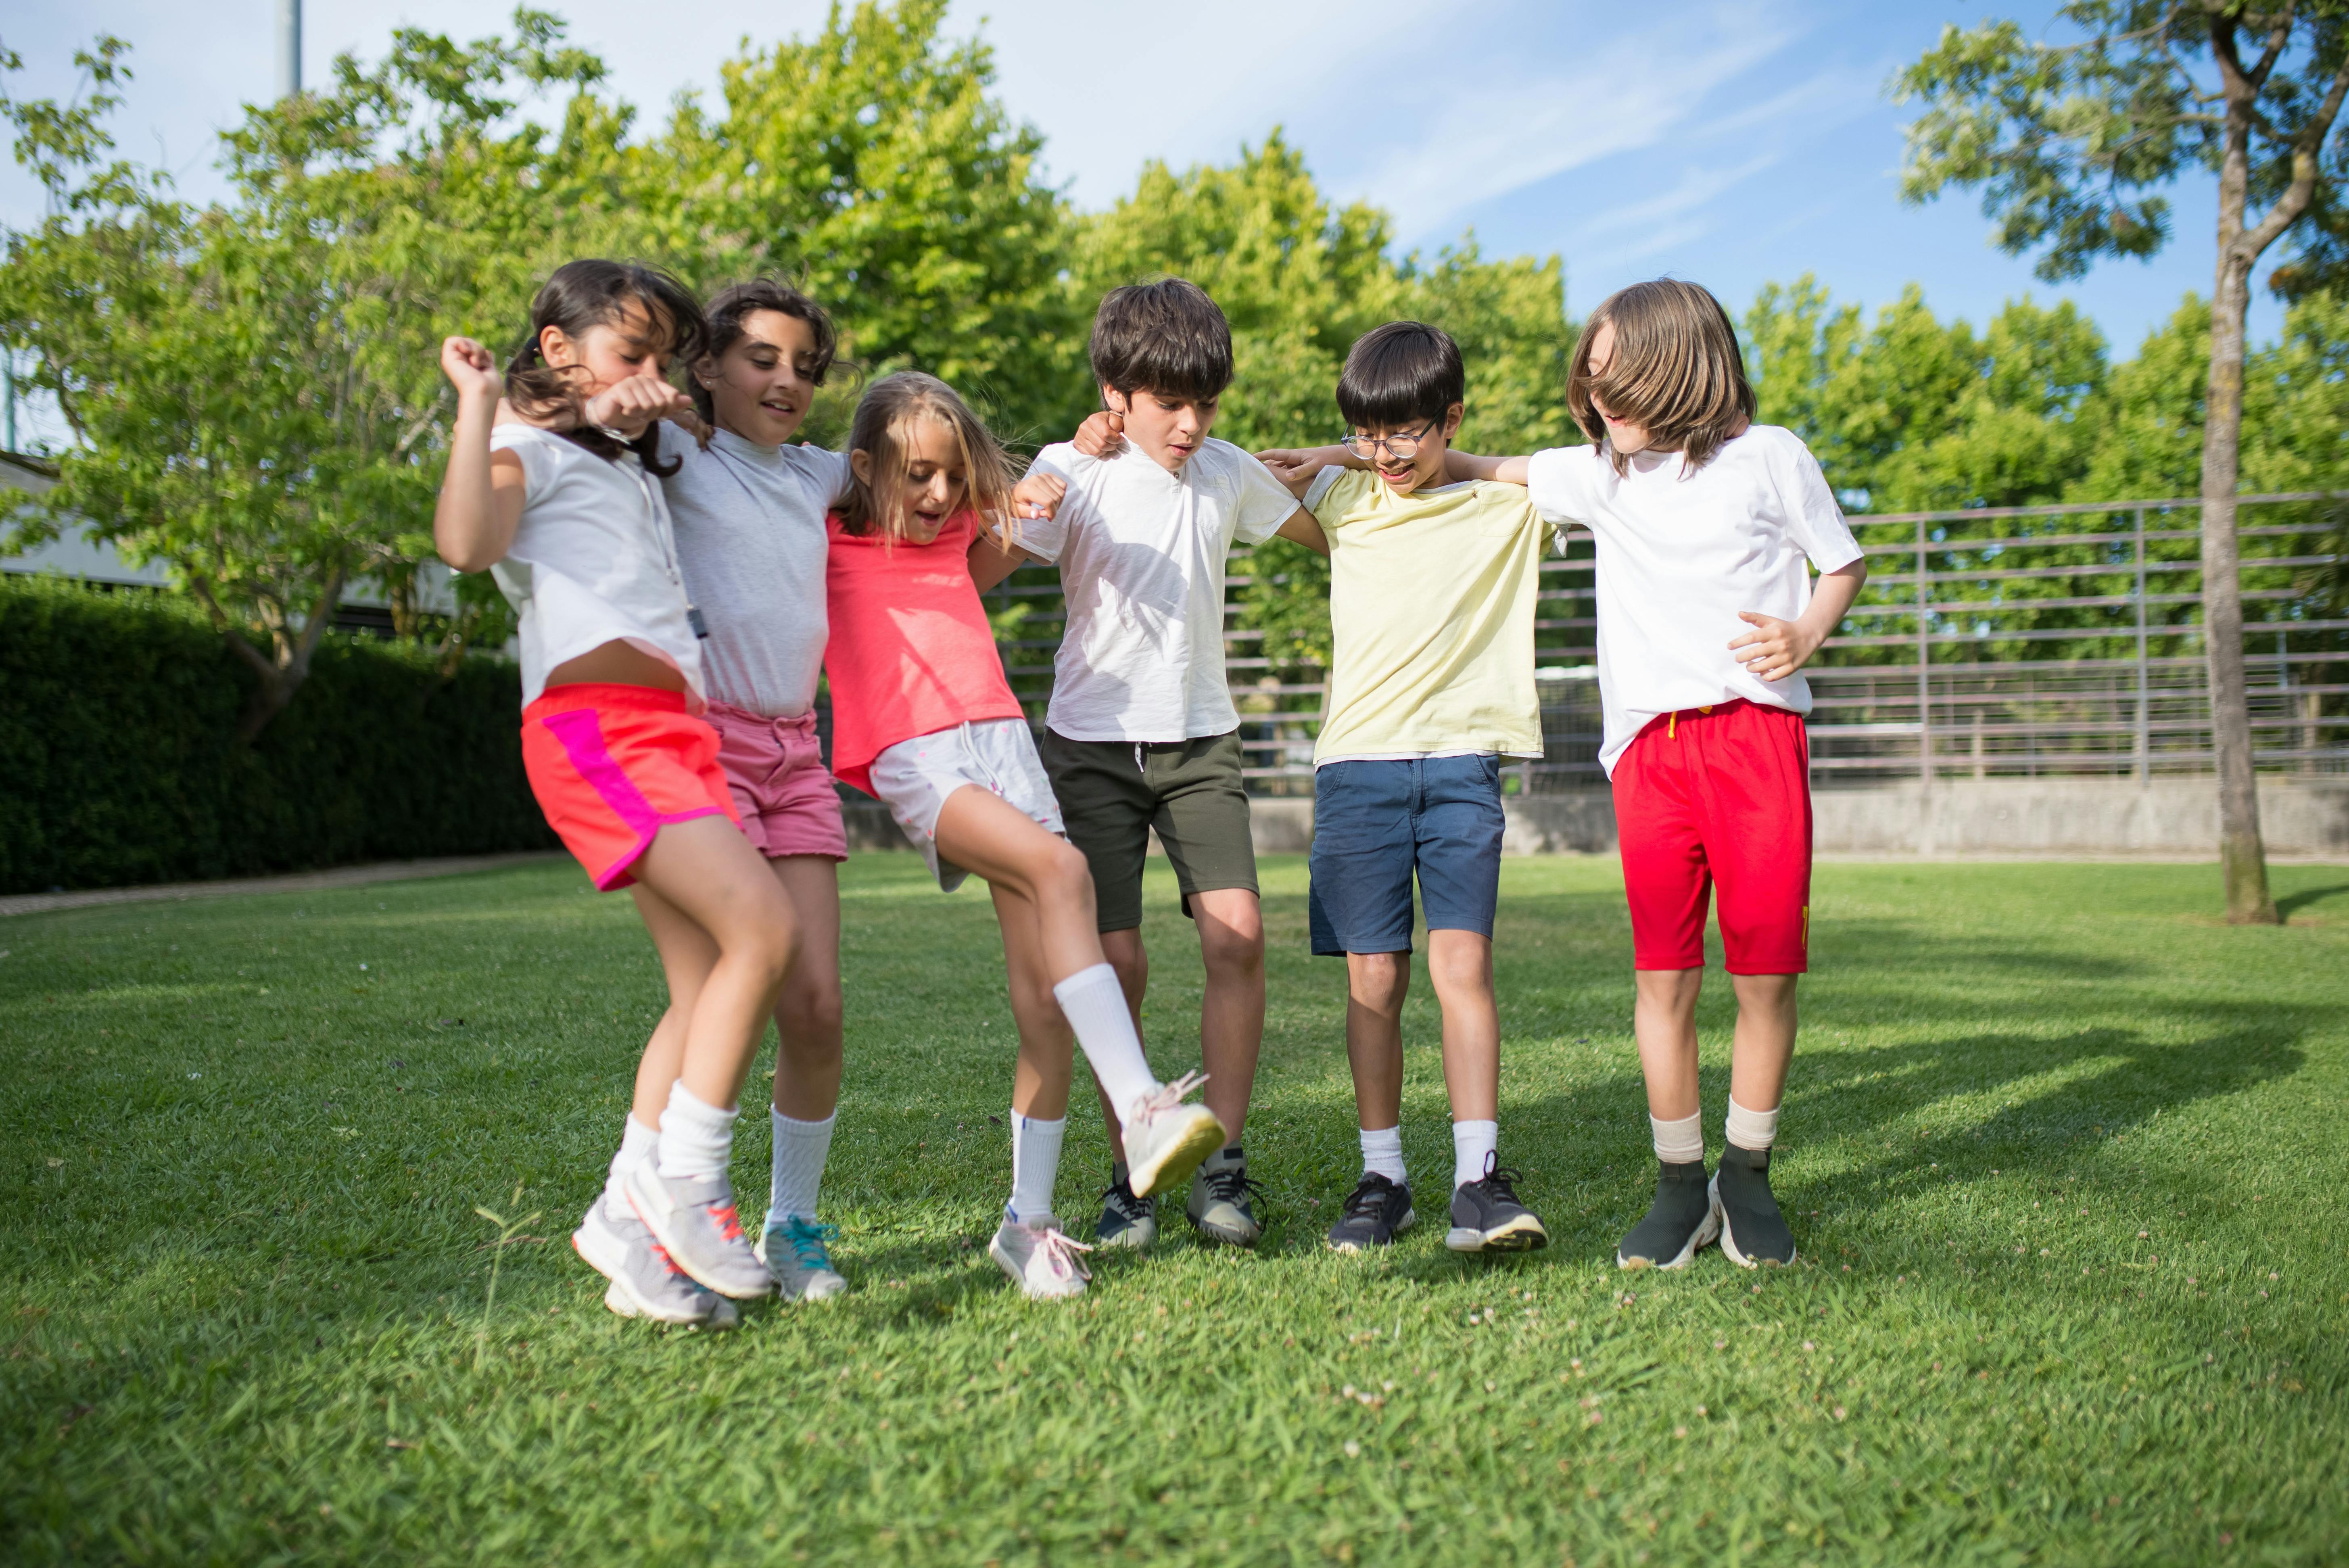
(1495,137)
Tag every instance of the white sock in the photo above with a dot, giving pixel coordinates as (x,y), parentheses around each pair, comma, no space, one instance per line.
(796,1173)
(696,1138)
(1678,1142)
(1475,1146)
(1035,1164)
(637,1140)
(1753,1129)
(1095,1006)
(1382,1152)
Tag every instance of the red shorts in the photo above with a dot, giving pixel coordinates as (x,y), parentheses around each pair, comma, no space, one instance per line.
(614,765)
(1718,795)
(783,791)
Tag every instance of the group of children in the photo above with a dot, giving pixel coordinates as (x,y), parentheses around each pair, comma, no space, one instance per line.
(684,574)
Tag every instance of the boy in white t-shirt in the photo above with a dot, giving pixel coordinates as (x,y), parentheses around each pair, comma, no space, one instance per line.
(1142,734)
(1706,525)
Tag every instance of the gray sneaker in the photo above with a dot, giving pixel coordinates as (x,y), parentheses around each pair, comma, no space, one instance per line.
(797,1252)
(694,1218)
(1221,1206)
(645,1283)
(1125,1221)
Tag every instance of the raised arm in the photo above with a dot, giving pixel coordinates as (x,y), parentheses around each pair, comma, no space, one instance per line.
(481,501)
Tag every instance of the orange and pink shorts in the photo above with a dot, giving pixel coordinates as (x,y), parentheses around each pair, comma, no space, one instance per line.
(613,765)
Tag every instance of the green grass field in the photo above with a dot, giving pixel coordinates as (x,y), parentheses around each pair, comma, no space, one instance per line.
(2066,1159)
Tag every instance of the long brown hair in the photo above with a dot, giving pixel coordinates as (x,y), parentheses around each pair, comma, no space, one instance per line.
(597,293)
(884,416)
(1676,369)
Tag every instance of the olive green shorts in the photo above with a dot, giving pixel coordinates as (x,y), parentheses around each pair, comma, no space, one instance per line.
(1114,793)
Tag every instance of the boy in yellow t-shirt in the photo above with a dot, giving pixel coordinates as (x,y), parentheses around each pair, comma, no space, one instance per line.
(1432,592)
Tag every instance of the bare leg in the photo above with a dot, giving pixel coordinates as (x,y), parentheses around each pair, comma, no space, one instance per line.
(1376,984)
(724,929)
(1460,962)
(1765,1042)
(1231,1014)
(992,839)
(808,1013)
(1664,1020)
(1040,1083)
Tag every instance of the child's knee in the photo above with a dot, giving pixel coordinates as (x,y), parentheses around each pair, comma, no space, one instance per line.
(810,1018)
(1230,947)
(1378,980)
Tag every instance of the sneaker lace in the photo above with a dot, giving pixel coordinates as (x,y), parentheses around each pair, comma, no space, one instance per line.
(1500,1181)
(1060,1252)
(729,1222)
(1367,1197)
(1170,1095)
(1231,1184)
(1119,1195)
(809,1241)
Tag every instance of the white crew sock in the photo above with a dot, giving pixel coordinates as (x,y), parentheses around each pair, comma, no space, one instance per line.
(1382,1152)
(696,1138)
(1094,1003)
(1475,1145)
(1753,1129)
(1035,1165)
(1678,1142)
(637,1140)
(796,1173)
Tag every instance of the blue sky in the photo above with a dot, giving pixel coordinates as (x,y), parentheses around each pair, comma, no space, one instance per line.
(1732,144)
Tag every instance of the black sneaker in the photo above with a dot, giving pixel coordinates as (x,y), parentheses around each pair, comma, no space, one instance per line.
(1752,1229)
(1487,1218)
(1221,1207)
(1377,1211)
(1126,1220)
(1680,1222)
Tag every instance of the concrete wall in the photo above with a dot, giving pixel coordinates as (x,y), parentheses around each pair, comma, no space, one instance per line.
(1960,817)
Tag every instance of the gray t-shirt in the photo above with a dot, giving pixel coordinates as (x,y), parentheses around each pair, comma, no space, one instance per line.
(750,541)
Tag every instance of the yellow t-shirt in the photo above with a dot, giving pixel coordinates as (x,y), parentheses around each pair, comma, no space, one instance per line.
(1432,618)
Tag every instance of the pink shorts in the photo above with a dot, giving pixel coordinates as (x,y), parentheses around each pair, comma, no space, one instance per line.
(775,769)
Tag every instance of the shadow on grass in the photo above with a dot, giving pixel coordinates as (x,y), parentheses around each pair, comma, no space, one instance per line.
(2290,902)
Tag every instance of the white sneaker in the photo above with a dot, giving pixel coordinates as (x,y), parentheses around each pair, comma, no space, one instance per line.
(1166,1140)
(694,1218)
(1039,1257)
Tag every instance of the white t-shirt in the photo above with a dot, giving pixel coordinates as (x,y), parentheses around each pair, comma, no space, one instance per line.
(751,539)
(1681,554)
(593,561)
(1141,553)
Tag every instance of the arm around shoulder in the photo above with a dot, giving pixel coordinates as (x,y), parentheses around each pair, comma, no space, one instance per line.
(1459,465)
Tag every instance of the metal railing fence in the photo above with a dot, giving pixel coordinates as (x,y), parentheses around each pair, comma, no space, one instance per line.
(2006,642)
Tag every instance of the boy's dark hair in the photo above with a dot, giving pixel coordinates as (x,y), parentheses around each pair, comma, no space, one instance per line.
(594,293)
(1166,337)
(1404,373)
(735,303)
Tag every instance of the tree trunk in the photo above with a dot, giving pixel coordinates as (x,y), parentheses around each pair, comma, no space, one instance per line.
(2242,857)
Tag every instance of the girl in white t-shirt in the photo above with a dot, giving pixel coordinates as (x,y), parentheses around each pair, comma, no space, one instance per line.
(550,490)
(750,509)
(1707,527)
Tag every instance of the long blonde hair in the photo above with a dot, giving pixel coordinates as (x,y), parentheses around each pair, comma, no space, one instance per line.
(884,416)
(1675,369)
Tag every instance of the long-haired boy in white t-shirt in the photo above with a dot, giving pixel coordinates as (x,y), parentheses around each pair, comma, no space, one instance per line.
(1707,525)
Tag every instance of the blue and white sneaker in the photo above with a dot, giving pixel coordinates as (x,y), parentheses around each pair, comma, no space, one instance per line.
(797,1252)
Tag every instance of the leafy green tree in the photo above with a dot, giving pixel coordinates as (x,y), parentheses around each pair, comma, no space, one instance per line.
(2073,141)
(870,164)
(251,386)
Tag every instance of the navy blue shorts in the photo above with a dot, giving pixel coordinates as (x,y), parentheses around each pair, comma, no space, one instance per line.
(1377,823)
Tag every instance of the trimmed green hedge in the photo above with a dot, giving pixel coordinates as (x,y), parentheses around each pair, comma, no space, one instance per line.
(119,762)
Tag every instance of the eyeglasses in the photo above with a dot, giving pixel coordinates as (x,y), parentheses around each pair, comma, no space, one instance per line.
(1402,448)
